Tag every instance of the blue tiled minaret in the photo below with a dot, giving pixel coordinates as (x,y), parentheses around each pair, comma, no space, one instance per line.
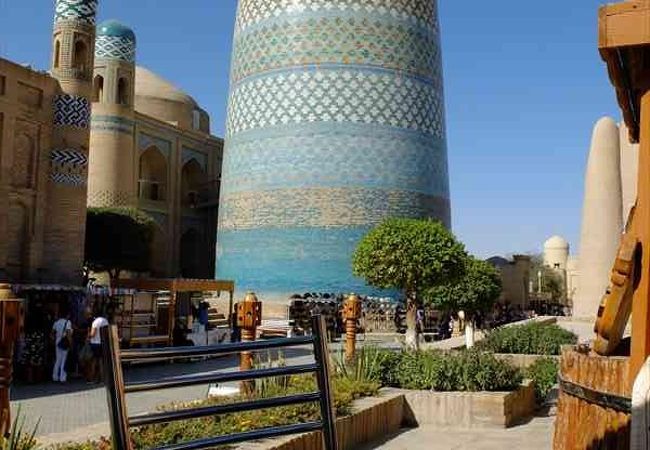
(335,122)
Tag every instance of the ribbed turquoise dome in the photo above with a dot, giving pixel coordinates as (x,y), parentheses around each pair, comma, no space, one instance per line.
(114,28)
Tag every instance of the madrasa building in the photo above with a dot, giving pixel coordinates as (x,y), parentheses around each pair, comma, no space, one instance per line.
(96,130)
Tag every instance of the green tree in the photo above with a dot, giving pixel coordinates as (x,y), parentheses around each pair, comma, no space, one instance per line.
(410,255)
(118,239)
(474,292)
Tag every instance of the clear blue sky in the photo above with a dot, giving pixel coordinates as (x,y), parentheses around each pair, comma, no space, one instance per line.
(524,85)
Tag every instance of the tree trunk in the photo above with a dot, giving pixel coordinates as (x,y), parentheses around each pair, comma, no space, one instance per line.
(469,332)
(412,338)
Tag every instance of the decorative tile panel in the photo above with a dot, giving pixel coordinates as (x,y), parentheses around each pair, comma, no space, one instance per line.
(333,40)
(68,166)
(79,10)
(69,179)
(325,207)
(112,124)
(200,157)
(337,96)
(421,12)
(115,47)
(71,111)
(318,155)
(145,141)
(335,123)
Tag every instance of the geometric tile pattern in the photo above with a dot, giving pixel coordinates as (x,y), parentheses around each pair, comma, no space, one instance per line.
(337,96)
(421,12)
(335,122)
(146,141)
(68,157)
(70,110)
(200,157)
(112,124)
(115,47)
(79,10)
(324,207)
(68,166)
(349,155)
(378,43)
(68,179)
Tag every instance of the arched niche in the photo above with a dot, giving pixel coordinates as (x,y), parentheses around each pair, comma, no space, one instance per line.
(152,182)
(17,240)
(98,89)
(193,179)
(80,55)
(123,92)
(23,162)
(191,258)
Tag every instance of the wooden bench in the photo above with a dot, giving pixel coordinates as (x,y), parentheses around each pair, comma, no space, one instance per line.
(117,389)
(149,340)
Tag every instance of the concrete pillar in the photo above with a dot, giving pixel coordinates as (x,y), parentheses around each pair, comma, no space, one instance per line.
(602,214)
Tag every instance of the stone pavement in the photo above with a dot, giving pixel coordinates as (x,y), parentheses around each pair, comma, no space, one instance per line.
(535,435)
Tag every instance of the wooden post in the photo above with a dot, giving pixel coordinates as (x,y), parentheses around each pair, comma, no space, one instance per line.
(249,317)
(351,313)
(11,326)
(114,381)
(641,302)
(323,376)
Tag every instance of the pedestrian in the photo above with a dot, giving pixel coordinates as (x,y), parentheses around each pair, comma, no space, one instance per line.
(95,339)
(61,335)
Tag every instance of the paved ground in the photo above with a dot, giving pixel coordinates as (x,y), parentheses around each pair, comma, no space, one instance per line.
(535,435)
(77,411)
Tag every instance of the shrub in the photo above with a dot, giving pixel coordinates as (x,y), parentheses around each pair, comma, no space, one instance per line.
(532,339)
(468,370)
(19,438)
(346,390)
(544,374)
(369,364)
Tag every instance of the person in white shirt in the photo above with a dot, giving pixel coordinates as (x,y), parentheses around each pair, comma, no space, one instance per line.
(95,338)
(61,334)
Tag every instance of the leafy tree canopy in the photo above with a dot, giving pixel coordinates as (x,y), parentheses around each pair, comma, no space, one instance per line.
(412,255)
(475,291)
(118,239)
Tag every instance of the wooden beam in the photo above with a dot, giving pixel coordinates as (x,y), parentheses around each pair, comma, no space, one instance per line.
(176,285)
(641,303)
(624,24)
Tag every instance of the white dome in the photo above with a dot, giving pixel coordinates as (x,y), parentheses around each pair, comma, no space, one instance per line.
(556,242)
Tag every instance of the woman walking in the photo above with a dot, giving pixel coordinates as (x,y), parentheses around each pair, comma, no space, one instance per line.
(61,333)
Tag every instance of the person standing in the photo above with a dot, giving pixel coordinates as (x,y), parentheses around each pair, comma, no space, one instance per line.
(95,338)
(61,334)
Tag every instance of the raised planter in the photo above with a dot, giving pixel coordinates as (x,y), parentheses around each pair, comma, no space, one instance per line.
(371,419)
(470,409)
(377,417)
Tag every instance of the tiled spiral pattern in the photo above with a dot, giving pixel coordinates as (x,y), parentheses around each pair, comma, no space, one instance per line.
(336,122)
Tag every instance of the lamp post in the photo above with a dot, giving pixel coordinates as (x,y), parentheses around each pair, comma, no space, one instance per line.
(249,317)
(11,326)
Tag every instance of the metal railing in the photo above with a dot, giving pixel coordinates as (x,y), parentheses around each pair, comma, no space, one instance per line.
(117,389)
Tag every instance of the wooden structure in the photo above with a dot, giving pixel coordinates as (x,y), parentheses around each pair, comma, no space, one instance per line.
(351,314)
(173,287)
(117,389)
(249,317)
(624,44)
(11,327)
(594,404)
(594,408)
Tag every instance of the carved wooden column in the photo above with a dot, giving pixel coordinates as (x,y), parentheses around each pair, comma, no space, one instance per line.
(351,313)
(11,326)
(249,317)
